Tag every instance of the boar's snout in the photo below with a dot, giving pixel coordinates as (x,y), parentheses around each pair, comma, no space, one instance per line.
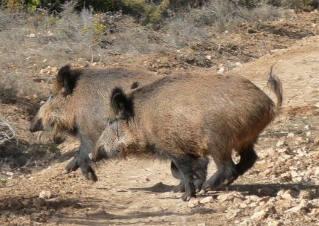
(36,125)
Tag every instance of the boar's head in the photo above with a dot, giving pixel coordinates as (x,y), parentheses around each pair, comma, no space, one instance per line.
(119,136)
(52,114)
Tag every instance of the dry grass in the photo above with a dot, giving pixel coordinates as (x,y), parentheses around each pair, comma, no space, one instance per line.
(31,43)
(6,131)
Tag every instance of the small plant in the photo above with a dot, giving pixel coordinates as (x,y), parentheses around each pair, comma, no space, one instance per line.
(33,5)
(6,132)
(13,5)
(99,27)
(3,181)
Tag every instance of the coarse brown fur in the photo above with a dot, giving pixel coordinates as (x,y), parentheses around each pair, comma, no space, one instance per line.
(188,117)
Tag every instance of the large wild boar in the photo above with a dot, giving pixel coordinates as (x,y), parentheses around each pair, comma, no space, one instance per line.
(80,107)
(185,117)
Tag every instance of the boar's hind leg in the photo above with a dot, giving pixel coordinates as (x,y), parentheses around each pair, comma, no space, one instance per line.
(81,160)
(184,166)
(248,158)
(225,175)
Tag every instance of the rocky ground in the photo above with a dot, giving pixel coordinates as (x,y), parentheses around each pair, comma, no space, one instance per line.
(281,189)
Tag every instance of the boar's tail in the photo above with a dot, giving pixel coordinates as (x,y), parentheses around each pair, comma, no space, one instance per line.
(275,85)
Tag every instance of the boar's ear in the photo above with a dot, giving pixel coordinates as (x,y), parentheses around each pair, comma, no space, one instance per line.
(66,79)
(121,104)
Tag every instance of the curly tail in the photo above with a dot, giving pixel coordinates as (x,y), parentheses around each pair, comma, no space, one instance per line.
(275,86)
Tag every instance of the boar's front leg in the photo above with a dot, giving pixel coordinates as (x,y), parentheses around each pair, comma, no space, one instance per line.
(81,160)
(180,187)
(199,166)
(184,166)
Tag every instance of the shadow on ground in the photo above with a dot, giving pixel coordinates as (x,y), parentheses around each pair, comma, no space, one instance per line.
(101,217)
(247,189)
(157,188)
(271,190)
(23,157)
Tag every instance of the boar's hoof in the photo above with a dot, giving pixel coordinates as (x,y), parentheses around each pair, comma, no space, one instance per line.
(224,176)
(198,183)
(84,165)
(187,196)
(181,187)
(73,165)
(88,172)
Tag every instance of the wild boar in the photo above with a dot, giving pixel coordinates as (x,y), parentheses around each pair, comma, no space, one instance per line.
(187,117)
(79,106)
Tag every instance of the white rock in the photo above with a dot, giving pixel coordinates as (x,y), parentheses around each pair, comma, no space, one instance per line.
(166,194)
(206,200)
(315,212)
(259,215)
(31,35)
(243,205)
(253,198)
(9,173)
(244,222)
(223,197)
(294,173)
(193,203)
(287,196)
(305,195)
(238,64)
(253,204)
(229,196)
(221,71)
(274,223)
(280,143)
(232,214)
(297,179)
(45,195)
(290,135)
(303,204)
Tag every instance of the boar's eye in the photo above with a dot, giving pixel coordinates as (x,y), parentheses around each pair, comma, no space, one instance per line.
(113,125)
(111,122)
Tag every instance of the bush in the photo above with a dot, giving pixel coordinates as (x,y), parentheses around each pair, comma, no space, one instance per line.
(149,11)
(146,10)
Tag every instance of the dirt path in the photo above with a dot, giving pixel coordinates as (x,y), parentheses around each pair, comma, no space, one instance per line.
(297,67)
(282,189)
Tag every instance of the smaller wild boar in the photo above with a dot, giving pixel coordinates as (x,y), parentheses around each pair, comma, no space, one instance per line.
(80,107)
(185,118)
